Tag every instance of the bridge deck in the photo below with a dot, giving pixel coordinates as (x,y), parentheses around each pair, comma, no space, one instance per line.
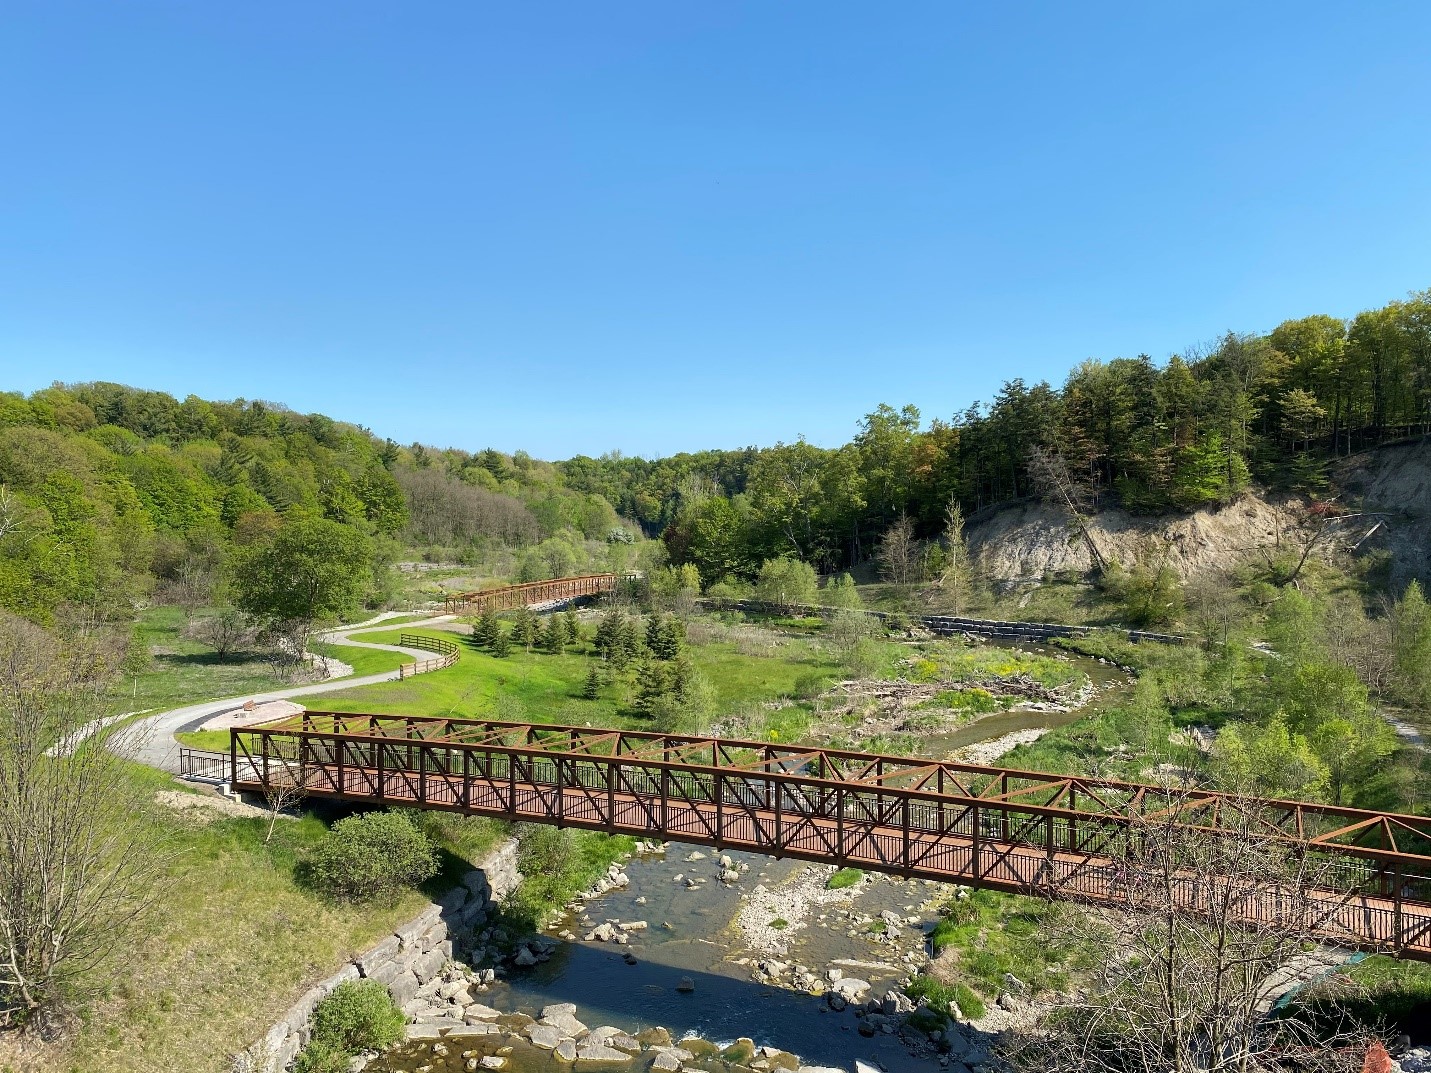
(1025,832)
(531,592)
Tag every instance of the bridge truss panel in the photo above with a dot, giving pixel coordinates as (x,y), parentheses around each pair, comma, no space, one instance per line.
(1012,830)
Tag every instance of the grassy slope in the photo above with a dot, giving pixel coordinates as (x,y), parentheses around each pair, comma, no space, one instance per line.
(236,939)
(362,660)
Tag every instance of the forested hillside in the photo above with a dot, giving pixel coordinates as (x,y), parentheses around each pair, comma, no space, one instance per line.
(1273,409)
(110,494)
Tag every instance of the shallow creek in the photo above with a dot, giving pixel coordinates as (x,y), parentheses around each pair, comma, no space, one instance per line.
(718,936)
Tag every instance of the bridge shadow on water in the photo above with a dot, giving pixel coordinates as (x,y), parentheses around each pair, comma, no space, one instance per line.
(721,1008)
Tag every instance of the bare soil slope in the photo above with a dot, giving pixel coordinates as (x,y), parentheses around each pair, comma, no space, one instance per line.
(1027,542)
(1395,482)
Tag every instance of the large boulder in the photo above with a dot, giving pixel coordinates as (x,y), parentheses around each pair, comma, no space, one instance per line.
(565,1023)
(851,987)
(544,1036)
(596,1055)
(403,988)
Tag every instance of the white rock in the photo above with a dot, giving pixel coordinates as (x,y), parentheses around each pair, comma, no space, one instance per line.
(544,1036)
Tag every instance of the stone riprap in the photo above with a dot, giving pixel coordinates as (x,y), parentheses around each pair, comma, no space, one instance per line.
(415,962)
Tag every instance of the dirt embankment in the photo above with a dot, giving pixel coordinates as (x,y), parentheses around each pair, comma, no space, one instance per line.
(1027,542)
(1395,483)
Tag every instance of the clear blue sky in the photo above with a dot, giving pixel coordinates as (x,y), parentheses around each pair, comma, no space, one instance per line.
(668,226)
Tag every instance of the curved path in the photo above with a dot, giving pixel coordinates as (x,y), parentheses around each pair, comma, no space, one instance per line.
(151,740)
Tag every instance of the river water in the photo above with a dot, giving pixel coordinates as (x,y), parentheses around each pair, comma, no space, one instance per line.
(692,933)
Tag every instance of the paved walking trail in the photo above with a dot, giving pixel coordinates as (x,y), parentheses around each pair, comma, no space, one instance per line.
(151,740)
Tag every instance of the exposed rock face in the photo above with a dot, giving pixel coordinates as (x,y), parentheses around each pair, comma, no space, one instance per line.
(1023,543)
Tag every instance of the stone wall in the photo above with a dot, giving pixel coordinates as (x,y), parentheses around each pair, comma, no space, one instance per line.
(407,961)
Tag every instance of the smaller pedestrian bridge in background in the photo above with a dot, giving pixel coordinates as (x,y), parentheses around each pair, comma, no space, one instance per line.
(1020,831)
(530,594)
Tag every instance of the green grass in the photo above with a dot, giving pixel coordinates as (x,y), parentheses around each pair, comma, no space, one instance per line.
(237,938)
(547,688)
(362,660)
(779,924)
(182,671)
(1385,989)
(398,620)
(235,941)
(989,934)
(845,877)
(940,995)
(973,664)
(210,741)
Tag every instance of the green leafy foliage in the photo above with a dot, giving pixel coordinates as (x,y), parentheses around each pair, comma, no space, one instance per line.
(310,569)
(358,1015)
(371,857)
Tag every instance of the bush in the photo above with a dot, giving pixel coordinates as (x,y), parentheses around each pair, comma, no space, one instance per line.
(543,849)
(321,1058)
(371,857)
(359,1015)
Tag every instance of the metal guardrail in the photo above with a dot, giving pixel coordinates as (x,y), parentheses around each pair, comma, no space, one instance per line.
(204,766)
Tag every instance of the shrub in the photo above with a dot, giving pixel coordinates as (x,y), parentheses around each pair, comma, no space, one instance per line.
(359,1015)
(924,670)
(544,850)
(845,877)
(371,857)
(321,1058)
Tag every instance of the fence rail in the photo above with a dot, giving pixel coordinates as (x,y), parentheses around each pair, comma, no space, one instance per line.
(1000,828)
(448,653)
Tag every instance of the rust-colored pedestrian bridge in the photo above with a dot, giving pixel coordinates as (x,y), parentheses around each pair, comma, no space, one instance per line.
(1019,831)
(530,593)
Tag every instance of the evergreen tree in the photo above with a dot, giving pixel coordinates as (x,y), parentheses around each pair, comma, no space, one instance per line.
(628,643)
(592,689)
(572,627)
(553,636)
(484,633)
(654,686)
(524,630)
(664,637)
(501,644)
(608,634)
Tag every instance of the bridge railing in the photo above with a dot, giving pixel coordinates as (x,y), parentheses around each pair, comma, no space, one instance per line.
(531,592)
(990,830)
(203,766)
